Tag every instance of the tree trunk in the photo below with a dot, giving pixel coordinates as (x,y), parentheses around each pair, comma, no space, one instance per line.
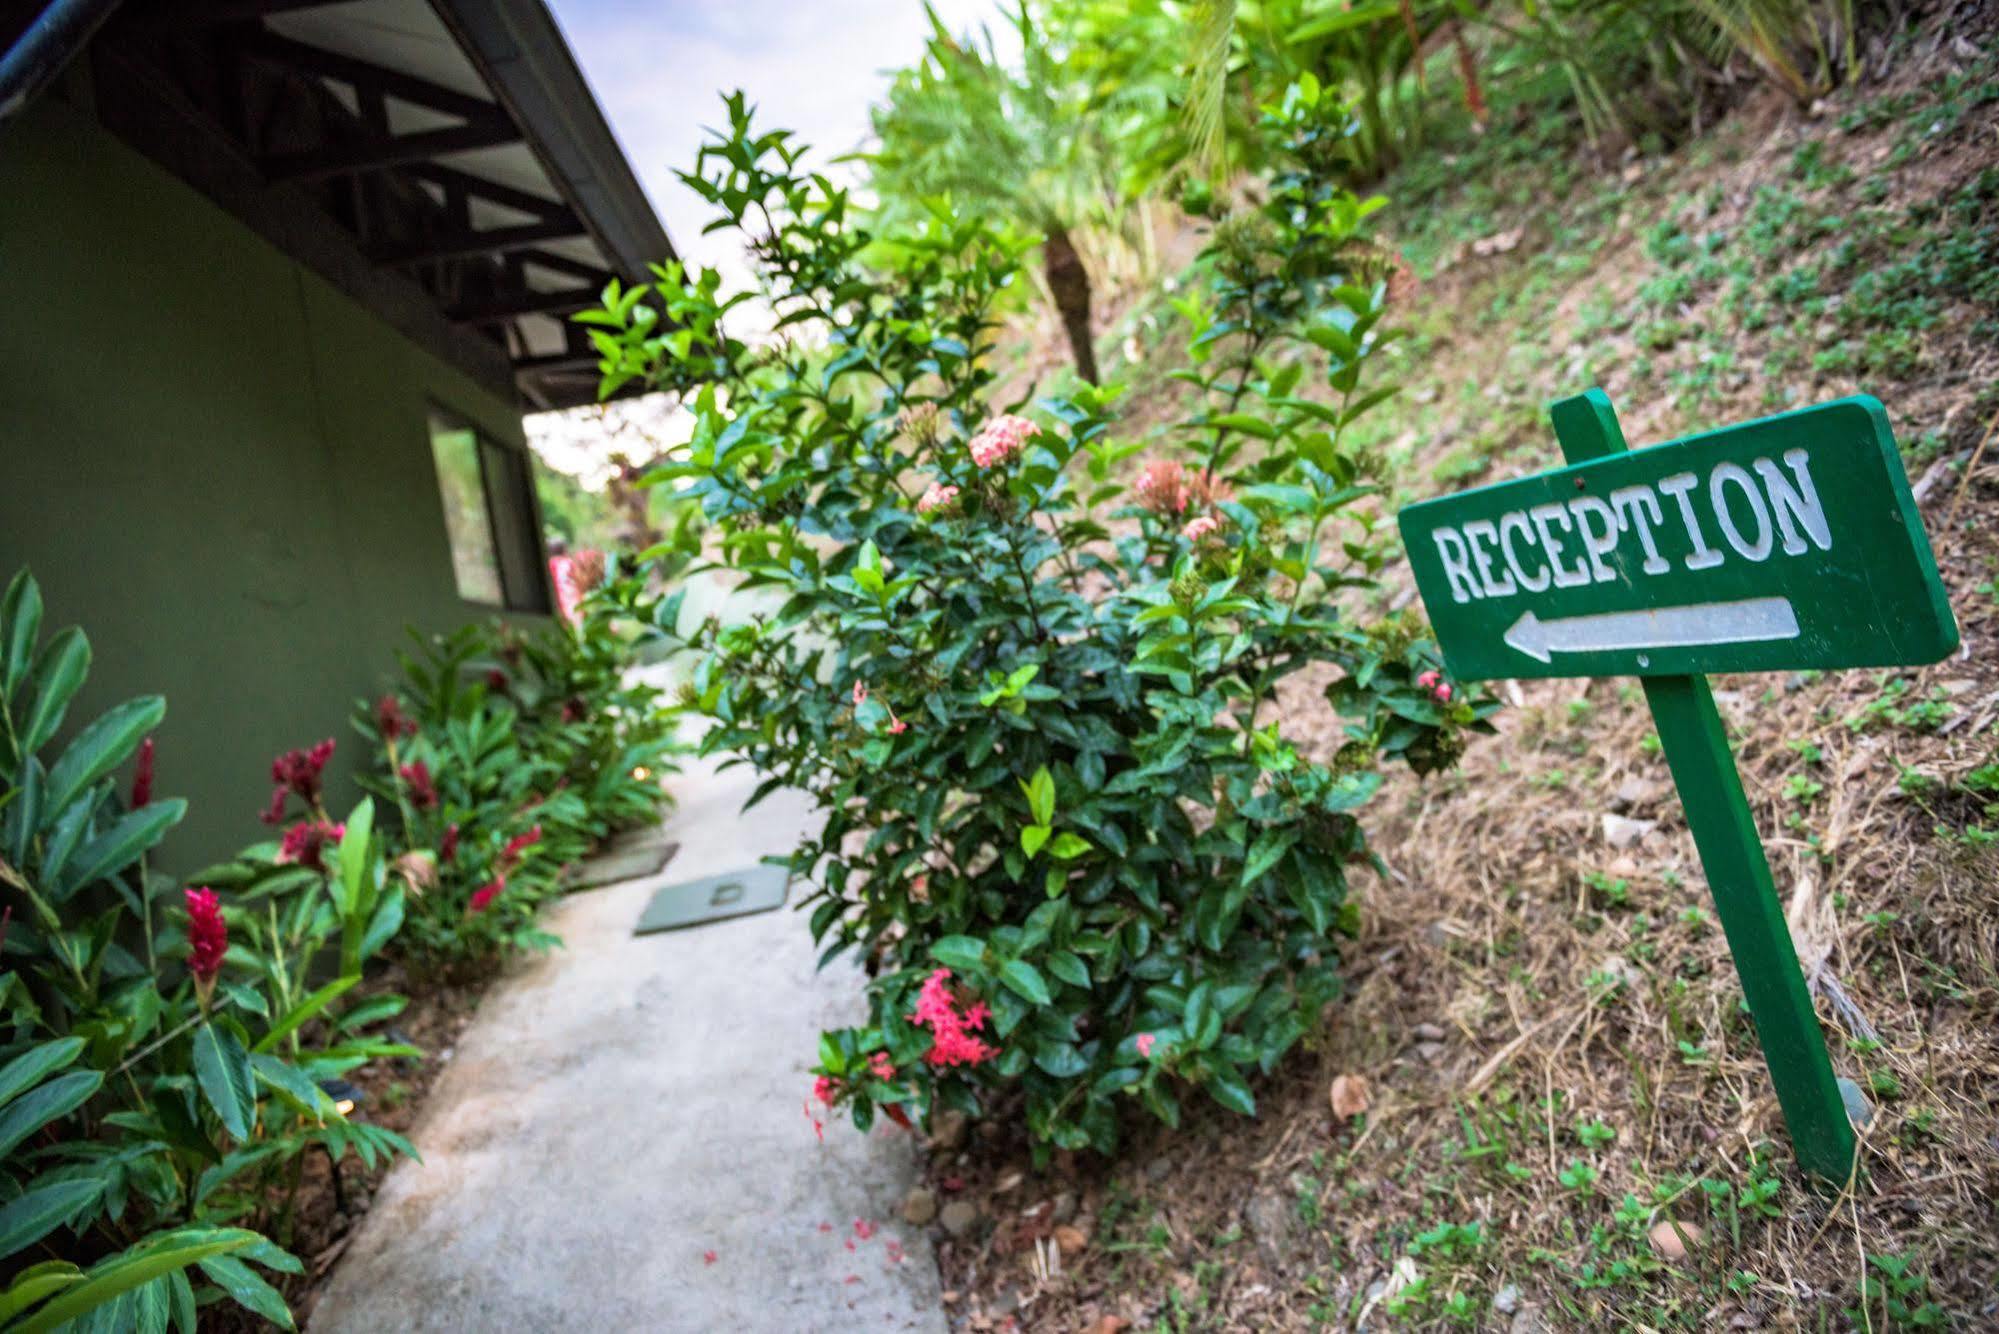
(1069,283)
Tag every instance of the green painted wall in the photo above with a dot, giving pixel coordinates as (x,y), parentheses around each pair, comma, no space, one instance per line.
(215,462)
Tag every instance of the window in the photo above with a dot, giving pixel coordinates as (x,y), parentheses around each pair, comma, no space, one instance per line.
(489,514)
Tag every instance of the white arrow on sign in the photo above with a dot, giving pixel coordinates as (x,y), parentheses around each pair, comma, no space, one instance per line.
(1741,622)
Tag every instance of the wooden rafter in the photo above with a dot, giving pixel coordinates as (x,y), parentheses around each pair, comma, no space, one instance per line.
(365,78)
(509,305)
(376,154)
(492,241)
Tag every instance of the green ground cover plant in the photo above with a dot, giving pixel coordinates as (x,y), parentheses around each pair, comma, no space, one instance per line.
(1065,829)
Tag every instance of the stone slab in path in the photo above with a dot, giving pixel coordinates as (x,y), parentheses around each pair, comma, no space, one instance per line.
(625,1105)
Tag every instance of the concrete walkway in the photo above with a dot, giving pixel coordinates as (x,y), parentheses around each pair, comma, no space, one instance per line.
(626,1105)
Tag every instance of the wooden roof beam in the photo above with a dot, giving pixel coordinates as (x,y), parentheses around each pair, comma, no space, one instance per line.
(375,154)
(492,241)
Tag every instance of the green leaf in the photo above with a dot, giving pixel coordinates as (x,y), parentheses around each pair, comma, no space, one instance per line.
(36,1282)
(1267,851)
(1022,978)
(59,672)
(222,1068)
(37,1212)
(21,623)
(1225,1085)
(353,859)
(133,835)
(1247,423)
(57,1098)
(1032,837)
(1069,968)
(27,1069)
(960,953)
(1068,846)
(1040,793)
(247,1290)
(101,747)
(304,1011)
(141,1264)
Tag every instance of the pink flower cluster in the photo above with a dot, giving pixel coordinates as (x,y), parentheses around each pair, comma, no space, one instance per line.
(1000,439)
(937,497)
(951,1040)
(1436,685)
(1162,487)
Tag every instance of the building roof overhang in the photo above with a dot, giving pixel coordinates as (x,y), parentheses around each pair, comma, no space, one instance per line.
(442,161)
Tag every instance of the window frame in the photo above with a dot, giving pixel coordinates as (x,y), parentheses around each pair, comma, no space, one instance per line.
(527,591)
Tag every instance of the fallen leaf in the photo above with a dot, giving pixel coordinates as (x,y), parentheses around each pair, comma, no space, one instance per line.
(1109,1324)
(1070,1239)
(1350,1096)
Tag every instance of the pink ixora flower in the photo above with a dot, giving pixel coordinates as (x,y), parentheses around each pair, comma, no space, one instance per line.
(860,693)
(939,496)
(1204,526)
(1144,1044)
(881,1067)
(1162,487)
(1426,679)
(951,1040)
(1000,439)
(207,938)
(896,726)
(1443,693)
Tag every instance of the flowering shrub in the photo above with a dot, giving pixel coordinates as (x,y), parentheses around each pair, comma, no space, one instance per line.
(1064,823)
(508,755)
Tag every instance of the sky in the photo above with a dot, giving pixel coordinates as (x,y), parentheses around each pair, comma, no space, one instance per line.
(658,68)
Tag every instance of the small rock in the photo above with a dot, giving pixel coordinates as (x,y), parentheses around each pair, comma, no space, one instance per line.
(1529,1320)
(1271,1219)
(1427,1032)
(1624,867)
(1635,794)
(947,1129)
(1070,1239)
(1671,1238)
(1506,1299)
(1062,1208)
(959,1217)
(1622,832)
(1430,1052)
(919,1207)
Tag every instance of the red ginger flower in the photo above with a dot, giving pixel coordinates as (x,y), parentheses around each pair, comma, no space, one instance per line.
(305,843)
(142,777)
(496,680)
(298,773)
(482,898)
(390,720)
(520,843)
(207,937)
(447,848)
(423,793)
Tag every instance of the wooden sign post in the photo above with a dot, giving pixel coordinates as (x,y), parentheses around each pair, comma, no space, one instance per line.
(1789,543)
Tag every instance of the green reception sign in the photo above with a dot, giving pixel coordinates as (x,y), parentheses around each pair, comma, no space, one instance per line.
(1786,543)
